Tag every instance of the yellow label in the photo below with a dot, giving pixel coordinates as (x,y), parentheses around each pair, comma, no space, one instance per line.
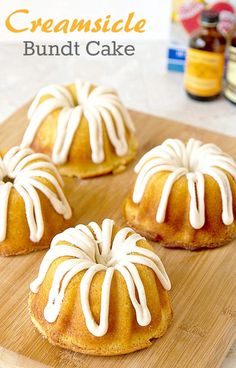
(230,90)
(204,72)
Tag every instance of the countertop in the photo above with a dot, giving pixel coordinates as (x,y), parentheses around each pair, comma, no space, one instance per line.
(142,82)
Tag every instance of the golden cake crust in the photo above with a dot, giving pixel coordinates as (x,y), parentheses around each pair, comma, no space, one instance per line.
(117,341)
(124,334)
(79,162)
(18,235)
(176,231)
(17,239)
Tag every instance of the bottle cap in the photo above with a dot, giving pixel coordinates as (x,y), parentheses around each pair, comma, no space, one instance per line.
(209,17)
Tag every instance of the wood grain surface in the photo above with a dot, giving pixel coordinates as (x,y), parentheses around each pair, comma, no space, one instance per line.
(203,283)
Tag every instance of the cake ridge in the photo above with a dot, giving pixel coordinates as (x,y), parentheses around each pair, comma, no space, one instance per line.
(96,104)
(92,249)
(24,167)
(193,160)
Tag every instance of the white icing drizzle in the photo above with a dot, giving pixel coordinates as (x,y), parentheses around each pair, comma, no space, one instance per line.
(92,249)
(25,168)
(100,105)
(193,160)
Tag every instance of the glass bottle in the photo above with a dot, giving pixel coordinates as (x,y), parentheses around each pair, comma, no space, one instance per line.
(230,88)
(205,59)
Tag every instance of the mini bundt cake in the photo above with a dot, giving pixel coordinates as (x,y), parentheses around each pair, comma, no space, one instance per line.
(84,128)
(33,207)
(101,291)
(184,195)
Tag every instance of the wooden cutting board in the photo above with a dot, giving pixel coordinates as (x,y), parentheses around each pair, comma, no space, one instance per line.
(203,283)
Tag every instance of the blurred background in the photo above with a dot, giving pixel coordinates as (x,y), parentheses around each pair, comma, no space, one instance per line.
(150,81)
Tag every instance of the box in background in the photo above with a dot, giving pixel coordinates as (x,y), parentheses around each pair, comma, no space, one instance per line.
(185,18)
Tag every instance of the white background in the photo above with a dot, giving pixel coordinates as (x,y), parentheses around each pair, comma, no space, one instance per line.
(156,12)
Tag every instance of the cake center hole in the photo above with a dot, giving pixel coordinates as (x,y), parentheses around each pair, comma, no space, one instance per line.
(82,101)
(190,165)
(192,168)
(102,260)
(7,179)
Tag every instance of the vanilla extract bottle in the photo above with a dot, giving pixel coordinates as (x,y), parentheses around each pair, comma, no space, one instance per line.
(230,89)
(204,67)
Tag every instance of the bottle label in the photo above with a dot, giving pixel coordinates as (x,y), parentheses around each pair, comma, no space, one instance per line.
(203,72)
(230,90)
